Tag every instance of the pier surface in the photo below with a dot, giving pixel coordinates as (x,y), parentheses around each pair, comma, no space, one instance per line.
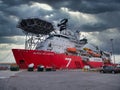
(58,80)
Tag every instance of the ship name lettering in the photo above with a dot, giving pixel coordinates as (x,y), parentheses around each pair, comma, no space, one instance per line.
(43,53)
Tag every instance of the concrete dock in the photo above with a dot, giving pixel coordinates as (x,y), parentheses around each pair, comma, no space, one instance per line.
(58,80)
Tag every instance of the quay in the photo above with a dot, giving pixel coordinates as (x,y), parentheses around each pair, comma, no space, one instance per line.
(58,80)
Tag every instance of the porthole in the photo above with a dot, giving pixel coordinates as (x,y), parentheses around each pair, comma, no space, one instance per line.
(22,61)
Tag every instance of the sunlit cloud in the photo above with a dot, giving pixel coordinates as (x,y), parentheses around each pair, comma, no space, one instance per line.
(97,21)
(41,6)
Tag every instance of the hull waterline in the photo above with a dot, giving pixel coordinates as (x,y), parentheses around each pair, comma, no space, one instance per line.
(50,59)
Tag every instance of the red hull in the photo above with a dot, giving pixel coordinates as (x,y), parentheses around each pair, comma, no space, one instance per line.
(60,61)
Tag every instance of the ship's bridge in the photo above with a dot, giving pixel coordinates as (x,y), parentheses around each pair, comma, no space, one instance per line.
(57,43)
(60,36)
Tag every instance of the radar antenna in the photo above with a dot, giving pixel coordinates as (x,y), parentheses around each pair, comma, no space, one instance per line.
(63,24)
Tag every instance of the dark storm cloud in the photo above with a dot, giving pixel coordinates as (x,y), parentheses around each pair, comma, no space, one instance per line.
(104,40)
(99,6)
(110,19)
(6,40)
(106,13)
(18,40)
(8,25)
(86,6)
(105,21)
(9,7)
(94,27)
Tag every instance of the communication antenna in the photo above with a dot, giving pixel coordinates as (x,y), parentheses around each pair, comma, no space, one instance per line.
(112,50)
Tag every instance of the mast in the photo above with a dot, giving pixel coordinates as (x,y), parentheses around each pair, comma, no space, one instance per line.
(112,50)
(63,24)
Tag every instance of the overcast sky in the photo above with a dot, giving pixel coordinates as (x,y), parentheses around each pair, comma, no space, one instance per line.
(98,21)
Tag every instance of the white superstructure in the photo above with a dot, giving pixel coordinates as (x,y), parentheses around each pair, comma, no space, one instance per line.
(60,42)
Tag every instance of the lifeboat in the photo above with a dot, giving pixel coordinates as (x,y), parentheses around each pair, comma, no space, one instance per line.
(96,55)
(73,50)
(93,53)
(87,49)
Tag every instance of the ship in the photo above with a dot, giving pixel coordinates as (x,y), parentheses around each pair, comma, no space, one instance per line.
(59,48)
